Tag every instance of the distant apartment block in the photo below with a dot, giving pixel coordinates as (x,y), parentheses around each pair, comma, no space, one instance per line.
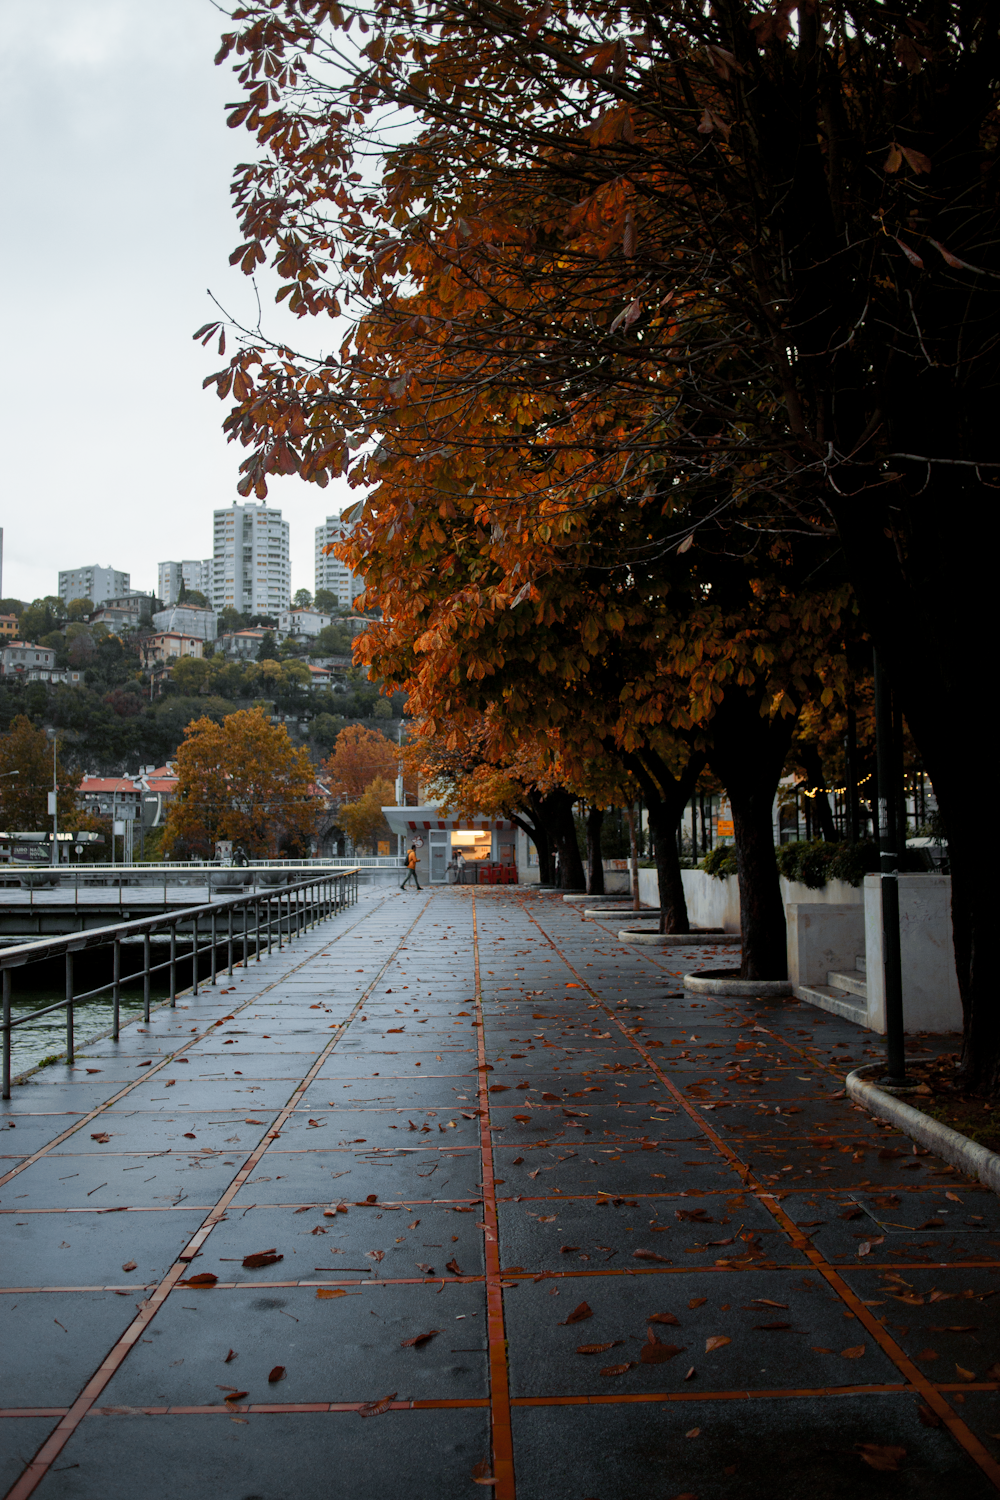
(252,572)
(192,573)
(96,584)
(331,573)
(187,619)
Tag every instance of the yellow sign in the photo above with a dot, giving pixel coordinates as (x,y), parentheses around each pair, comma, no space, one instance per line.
(724,828)
(383,846)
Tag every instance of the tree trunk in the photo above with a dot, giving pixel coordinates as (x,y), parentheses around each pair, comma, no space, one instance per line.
(924,614)
(666,797)
(595,864)
(559,815)
(747,754)
(808,757)
(539,836)
(670,883)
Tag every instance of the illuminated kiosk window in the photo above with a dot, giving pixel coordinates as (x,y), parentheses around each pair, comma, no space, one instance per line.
(473,845)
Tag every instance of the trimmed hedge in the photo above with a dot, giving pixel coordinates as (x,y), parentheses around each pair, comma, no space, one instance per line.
(812,864)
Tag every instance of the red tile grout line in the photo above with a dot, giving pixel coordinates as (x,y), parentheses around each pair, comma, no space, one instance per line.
(93,1114)
(474,1403)
(60,1436)
(959,1429)
(502,1435)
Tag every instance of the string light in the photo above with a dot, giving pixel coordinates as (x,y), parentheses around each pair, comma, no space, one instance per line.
(837,790)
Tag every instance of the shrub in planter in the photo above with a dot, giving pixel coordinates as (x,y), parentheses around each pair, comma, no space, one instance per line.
(814,863)
(720,861)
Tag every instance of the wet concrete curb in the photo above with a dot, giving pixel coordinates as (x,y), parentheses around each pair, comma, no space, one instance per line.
(676,939)
(953,1147)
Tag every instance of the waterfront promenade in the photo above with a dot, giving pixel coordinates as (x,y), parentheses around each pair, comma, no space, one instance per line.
(459,1194)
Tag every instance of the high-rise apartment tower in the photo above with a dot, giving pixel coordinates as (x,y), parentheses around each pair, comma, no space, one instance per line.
(251,568)
(331,573)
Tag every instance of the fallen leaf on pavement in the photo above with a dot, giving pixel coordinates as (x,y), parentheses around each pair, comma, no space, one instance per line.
(235,1396)
(655,1353)
(853,1353)
(261,1258)
(205,1278)
(579,1314)
(596,1348)
(101,1136)
(881,1456)
(229,1357)
(617,1369)
(697,1302)
(927,1416)
(770,1327)
(278,1373)
(418,1339)
(663,1318)
(376,1408)
(717,1341)
(964,1374)
(129,1265)
(330,1291)
(453,1266)
(649,1255)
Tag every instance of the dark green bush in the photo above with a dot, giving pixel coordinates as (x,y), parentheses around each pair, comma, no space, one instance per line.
(720,861)
(816,862)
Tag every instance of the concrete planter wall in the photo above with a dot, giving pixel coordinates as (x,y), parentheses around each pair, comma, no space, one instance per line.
(835,956)
(931,1001)
(716,903)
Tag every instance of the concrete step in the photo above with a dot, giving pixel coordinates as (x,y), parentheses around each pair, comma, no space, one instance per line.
(854,984)
(838,1002)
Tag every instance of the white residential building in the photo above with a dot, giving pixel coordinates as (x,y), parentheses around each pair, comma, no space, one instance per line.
(192,573)
(188,619)
(302,622)
(331,573)
(252,572)
(95,584)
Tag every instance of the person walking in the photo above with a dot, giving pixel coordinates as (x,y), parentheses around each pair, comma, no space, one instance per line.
(411,868)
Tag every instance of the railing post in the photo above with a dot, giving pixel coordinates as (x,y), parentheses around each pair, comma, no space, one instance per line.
(70,1054)
(229,941)
(173,964)
(145,976)
(6,1033)
(215,938)
(256,935)
(279,922)
(270,922)
(246,937)
(194,958)
(116,991)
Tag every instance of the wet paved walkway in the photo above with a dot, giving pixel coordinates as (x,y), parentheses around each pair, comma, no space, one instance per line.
(687,1266)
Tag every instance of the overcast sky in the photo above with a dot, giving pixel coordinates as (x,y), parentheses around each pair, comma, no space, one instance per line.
(115,169)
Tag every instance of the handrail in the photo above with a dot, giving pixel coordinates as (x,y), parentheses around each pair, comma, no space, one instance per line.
(299,905)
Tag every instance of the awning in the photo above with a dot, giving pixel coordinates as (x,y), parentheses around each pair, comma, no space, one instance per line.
(414,820)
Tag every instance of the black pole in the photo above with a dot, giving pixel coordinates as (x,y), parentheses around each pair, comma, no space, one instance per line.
(889,877)
(851,747)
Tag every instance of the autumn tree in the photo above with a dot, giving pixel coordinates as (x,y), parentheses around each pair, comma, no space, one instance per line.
(26,780)
(770,233)
(363,819)
(242,780)
(360,756)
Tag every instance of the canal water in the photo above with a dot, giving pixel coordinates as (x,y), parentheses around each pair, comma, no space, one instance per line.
(46,1037)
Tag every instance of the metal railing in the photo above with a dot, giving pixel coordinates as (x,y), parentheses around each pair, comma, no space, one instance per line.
(273,915)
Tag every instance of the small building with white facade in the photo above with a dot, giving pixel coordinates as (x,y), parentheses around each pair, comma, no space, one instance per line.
(303,624)
(473,850)
(192,573)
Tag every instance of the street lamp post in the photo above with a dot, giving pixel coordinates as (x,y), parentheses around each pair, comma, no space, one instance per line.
(53,804)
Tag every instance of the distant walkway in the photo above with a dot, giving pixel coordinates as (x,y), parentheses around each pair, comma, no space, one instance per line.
(687,1265)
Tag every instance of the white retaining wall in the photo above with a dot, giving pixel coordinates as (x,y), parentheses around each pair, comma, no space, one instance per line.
(716,903)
